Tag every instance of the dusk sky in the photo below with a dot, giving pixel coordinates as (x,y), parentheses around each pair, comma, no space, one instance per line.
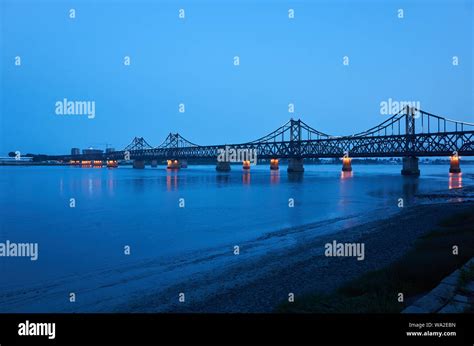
(190,61)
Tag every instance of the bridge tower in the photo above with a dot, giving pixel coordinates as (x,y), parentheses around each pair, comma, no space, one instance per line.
(410,162)
(138,144)
(295,161)
(173,143)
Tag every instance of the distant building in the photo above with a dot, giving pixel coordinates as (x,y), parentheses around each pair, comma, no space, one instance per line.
(75,151)
(91,151)
(109,150)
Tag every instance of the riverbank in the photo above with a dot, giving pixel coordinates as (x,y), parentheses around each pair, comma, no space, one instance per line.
(391,289)
(261,285)
(454,294)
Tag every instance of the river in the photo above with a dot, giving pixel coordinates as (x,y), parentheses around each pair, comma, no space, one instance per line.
(85,220)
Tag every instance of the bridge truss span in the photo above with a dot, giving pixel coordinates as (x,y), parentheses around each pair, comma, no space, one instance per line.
(409,132)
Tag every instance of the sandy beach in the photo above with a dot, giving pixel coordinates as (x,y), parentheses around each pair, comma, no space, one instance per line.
(260,285)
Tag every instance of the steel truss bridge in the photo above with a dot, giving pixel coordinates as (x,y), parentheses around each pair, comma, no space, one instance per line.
(410,132)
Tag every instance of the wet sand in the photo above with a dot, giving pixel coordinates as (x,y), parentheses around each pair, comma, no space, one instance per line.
(262,283)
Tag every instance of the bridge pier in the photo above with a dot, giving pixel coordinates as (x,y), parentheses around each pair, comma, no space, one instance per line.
(112,164)
(454,165)
(154,163)
(295,165)
(246,165)
(223,166)
(346,164)
(173,164)
(139,164)
(410,166)
(274,165)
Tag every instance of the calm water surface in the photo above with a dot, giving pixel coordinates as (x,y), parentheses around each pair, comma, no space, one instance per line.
(140,208)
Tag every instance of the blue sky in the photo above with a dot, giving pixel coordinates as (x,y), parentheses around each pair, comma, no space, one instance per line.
(190,61)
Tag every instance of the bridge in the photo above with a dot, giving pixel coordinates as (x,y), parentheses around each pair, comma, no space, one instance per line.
(410,133)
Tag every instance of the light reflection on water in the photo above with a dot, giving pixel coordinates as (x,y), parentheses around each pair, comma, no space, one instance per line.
(346,175)
(171,180)
(275,176)
(455,181)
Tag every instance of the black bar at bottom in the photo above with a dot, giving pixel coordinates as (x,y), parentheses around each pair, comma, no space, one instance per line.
(241,328)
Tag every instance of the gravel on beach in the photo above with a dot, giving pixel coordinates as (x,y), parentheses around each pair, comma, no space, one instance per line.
(261,284)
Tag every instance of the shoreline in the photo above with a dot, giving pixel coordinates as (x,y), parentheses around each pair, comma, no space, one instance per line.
(258,281)
(261,284)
